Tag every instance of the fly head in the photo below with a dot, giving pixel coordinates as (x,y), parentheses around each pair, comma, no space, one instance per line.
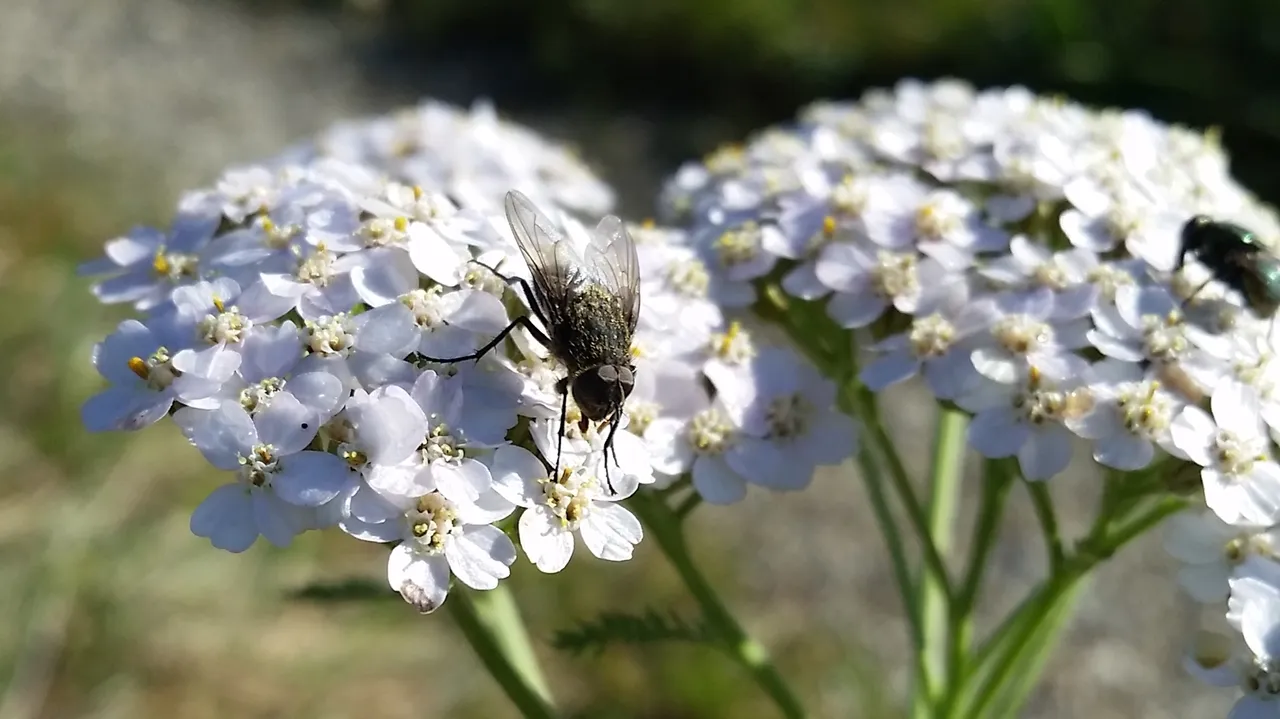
(600,391)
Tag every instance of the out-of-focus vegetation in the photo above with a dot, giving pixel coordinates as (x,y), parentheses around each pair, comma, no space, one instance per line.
(1198,62)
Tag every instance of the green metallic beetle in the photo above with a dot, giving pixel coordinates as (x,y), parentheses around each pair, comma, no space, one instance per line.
(1236,258)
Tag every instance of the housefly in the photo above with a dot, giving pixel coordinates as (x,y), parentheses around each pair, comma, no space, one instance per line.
(589,303)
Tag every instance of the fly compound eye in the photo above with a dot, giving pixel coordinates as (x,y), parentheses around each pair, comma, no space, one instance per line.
(626,378)
(608,373)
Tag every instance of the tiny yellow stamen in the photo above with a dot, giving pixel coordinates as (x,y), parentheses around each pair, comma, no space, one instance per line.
(829,226)
(161,264)
(402,224)
(138,366)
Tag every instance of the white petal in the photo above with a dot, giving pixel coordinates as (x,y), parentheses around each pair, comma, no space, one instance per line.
(480,556)
(309,479)
(1205,583)
(225,517)
(855,310)
(889,370)
(716,482)
(1236,409)
(547,544)
(276,521)
(1045,453)
(286,424)
(124,408)
(997,433)
(461,482)
(515,472)
(1124,451)
(611,532)
(422,580)
(221,434)
(320,392)
(389,329)
(669,453)
(1192,430)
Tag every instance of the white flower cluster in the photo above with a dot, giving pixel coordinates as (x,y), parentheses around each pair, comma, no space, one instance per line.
(288,314)
(1023,254)
(472,156)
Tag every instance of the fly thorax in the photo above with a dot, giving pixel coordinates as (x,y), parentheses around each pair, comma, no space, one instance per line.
(257,396)
(568,496)
(383,231)
(175,266)
(1108,279)
(228,326)
(939,218)
(258,465)
(425,306)
(331,335)
(157,370)
(316,269)
(432,522)
(1236,455)
(1144,410)
(895,275)
(739,245)
(710,432)
(787,417)
(931,336)
(734,345)
(1022,334)
(1164,337)
(688,278)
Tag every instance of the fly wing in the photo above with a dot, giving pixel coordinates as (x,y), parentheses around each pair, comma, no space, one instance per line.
(555,267)
(612,261)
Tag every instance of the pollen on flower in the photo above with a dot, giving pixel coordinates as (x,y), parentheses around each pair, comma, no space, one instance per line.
(640,414)
(155,370)
(1051,275)
(688,277)
(257,467)
(1164,337)
(937,218)
(710,432)
(316,268)
(331,335)
(441,444)
(1021,334)
(353,457)
(426,306)
(226,327)
(931,336)
(1108,279)
(381,231)
(258,396)
(1263,681)
(1144,410)
(943,138)
(738,246)
(734,345)
(895,274)
(275,236)
(175,265)
(432,521)
(1236,455)
(568,496)
(479,277)
(849,198)
(1039,402)
(788,416)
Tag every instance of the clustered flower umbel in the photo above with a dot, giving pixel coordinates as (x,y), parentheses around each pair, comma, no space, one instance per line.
(285,317)
(1019,253)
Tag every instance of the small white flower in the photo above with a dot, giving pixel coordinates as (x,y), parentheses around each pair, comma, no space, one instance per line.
(1032,268)
(275,473)
(1241,481)
(438,539)
(788,424)
(1210,551)
(557,507)
(1130,417)
(140,369)
(1027,419)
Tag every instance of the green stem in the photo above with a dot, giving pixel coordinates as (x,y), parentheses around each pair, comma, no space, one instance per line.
(689,504)
(944,489)
(997,480)
(491,623)
(664,527)
(1042,503)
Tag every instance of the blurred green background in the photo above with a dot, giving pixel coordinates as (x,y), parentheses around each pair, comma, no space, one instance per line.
(108,110)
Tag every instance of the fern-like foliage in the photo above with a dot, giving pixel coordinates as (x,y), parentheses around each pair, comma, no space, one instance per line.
(609,628)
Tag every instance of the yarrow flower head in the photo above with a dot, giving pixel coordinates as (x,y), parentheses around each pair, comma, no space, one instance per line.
(1060,273)
(292,316)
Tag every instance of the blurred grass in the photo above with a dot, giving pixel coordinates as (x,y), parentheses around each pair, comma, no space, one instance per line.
(116,610)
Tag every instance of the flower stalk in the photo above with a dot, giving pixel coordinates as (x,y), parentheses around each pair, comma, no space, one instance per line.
(490,621)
